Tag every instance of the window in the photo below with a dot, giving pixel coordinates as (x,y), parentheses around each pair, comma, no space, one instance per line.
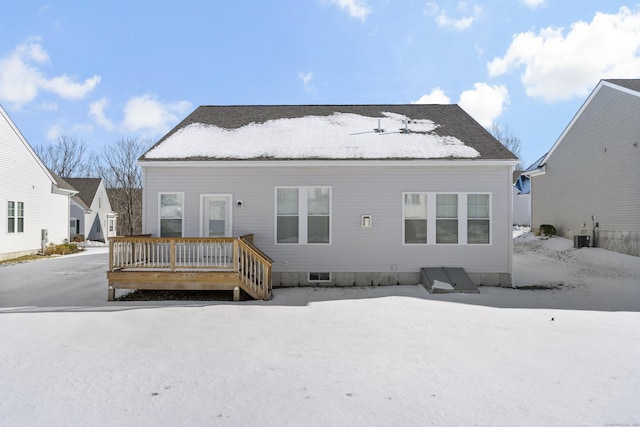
(11,217)
(319,277)
(446,218)
(74,226)
(287,215)
(303,215)
(318,203)
(20,217)
(478,218)
(171,206)
(415,218)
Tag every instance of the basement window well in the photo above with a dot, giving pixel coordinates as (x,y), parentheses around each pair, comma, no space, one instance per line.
(320,277)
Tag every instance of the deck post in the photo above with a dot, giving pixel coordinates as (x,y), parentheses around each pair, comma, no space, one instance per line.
(172,254)
(110,255)
(236,294)
(111,294)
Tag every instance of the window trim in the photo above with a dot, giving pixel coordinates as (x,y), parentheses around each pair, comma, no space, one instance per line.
(404,218)
(182,199)
(490,218)
(11,217)
(20,217)
(310,280)
(303,214)
(456,218)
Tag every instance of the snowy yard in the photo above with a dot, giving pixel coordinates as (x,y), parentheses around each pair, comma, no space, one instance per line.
(565,351)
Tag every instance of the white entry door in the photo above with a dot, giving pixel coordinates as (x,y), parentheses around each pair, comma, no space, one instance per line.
(216,216)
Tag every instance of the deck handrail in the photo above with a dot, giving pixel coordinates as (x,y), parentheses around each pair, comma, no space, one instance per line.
(203,254)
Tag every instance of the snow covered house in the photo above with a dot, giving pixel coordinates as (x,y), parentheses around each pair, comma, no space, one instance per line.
(34,201)
(339,194)
(91,214)
(582,185)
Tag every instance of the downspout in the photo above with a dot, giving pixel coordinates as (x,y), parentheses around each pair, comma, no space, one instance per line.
(510,223)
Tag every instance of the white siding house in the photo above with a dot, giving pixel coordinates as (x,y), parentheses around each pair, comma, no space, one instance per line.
(339,195)
(591,175)
(91,214)
(34,203)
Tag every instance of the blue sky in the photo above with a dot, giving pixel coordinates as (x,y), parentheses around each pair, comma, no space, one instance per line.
(103,71)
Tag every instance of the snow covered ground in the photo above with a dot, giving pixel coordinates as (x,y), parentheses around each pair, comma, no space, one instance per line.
(563,351)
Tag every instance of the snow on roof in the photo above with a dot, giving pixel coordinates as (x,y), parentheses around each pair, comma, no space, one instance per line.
(336,136)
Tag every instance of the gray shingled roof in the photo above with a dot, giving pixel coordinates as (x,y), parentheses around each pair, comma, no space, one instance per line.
(62,183)
(86,187)
(453,121)
(633,84)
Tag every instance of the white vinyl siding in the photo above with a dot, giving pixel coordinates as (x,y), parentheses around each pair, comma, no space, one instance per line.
(171,206)
(373,190)
(303,215)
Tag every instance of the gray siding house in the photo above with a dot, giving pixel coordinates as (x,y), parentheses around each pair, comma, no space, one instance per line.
(339,195)
(591,175)
(91,215)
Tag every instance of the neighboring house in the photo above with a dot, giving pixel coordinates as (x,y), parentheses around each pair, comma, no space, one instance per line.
(587,183)
(91,214)
(521,199)
(34,202)
(340,195)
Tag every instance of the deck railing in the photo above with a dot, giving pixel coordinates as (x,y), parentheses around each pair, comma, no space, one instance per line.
(226,254)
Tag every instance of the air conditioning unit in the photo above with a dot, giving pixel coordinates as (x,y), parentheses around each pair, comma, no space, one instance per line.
(581,241)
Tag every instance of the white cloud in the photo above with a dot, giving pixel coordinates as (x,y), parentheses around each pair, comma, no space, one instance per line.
(65,87)
(306,81)
(54,132)
(147,113)
(484,102)
(559,66)
(470,14)
(96,112)
(437,96)
(355,8)
(306,78)
(533,4)
(21,80)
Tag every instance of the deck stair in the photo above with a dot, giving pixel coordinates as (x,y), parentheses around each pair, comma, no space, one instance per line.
(447,280)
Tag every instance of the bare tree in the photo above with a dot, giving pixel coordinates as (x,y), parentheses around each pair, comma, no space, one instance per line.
(123,179)
(505,135)
(68,157)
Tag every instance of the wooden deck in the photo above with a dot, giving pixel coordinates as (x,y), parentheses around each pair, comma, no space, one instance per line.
(189,264)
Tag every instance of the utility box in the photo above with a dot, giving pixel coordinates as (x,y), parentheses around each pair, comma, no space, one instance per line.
(581,241)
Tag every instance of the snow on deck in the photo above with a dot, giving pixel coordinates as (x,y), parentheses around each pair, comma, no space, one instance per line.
(339,136)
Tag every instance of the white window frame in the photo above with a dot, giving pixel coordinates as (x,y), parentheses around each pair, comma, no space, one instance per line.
(466,231)
(303,214)
(319,280)
(181,194)
(19,216)
(404,219)
(11,216)
(462,218)
(457,218)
